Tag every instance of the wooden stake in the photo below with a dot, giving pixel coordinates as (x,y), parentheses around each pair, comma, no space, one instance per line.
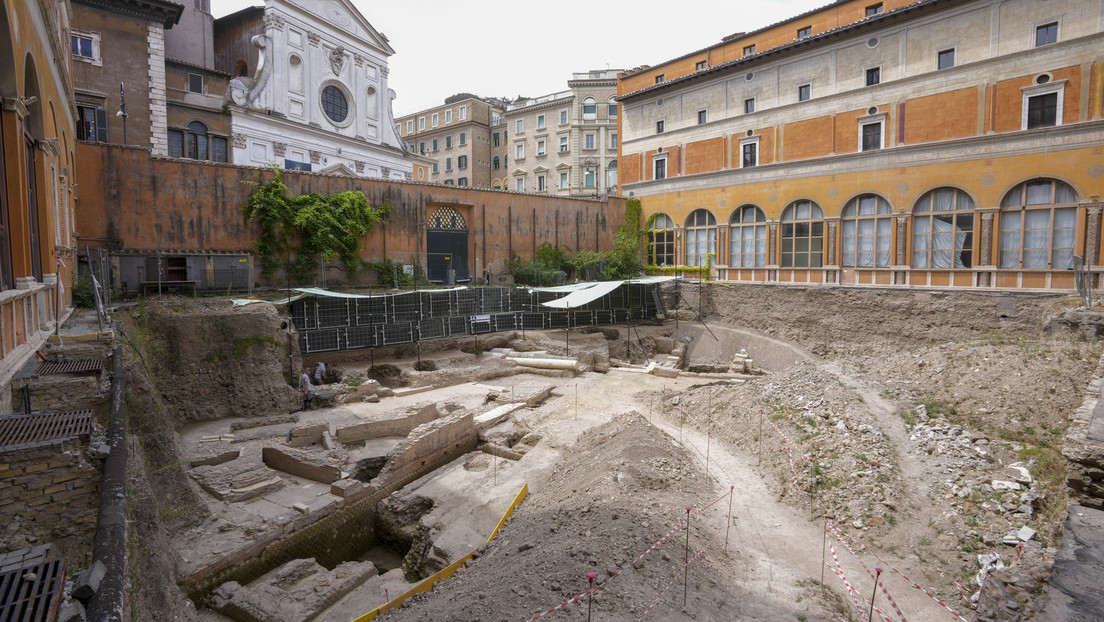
(686,567)
(870,616)
(708,439)
(729,525)
(823,550)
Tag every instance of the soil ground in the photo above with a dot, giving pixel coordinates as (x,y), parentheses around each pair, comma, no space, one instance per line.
(897,437)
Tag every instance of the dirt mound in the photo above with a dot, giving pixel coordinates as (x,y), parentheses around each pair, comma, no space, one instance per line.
(592,519)
(210,360)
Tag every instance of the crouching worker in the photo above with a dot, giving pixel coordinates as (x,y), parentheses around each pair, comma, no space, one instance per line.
(305,388)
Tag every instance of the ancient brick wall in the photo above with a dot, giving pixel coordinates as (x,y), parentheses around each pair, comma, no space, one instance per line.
(49,493)
(62,393)
(340,532)
(437,441)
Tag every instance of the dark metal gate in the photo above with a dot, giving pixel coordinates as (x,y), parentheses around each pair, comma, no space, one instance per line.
(447,246)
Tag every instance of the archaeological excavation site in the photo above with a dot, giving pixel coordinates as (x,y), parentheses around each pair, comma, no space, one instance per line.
(660,448)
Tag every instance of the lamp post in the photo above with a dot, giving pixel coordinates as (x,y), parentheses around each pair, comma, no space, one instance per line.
(122,111)
(591,167)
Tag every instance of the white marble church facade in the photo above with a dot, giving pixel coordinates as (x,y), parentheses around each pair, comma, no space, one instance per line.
(318,99)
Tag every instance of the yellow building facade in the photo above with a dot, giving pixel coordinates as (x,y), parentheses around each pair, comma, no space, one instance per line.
(932,143)
(37,170)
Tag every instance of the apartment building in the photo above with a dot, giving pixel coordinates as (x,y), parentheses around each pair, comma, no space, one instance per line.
(457,137)
(562,143)
(903,142)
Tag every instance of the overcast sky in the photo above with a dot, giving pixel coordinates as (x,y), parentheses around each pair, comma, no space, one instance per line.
(506,49)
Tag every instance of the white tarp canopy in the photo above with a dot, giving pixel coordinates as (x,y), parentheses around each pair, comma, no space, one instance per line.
(314,291)
(580,294)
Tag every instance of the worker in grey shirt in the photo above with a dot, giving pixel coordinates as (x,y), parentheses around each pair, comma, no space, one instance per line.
(320,373)
(305,388)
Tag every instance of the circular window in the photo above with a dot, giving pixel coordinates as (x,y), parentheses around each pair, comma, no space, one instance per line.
(1042,79)
(659,102)
(872,43)
(749,77)
(872,110)
(334,104)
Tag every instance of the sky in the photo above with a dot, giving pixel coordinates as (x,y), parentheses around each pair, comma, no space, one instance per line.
(507,49)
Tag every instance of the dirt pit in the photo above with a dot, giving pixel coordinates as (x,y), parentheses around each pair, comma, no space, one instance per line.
(924,450)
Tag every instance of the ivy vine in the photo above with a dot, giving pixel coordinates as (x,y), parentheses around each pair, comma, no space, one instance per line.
(326,225)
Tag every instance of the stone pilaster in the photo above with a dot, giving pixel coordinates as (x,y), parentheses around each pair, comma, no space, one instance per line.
(159,114)
(1092,232)
(902,238)
(830,240)
(985,248)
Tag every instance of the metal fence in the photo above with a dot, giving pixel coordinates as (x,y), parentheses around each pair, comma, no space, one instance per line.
(327,324)
(123,275)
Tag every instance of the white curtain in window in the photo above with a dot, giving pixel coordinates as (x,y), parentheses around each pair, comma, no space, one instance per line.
(942,243)
(1010,240)
(884,240)
(1064,194)
(1038,194)
(699,244)
(1065,223)
(848,258)
(760,246)
(943,200)
(1036,238)
(865,243)
(921,230)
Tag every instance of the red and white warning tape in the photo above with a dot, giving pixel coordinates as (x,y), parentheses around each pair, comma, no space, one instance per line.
(851,591)
(844,538)
(676,579)
(678,527)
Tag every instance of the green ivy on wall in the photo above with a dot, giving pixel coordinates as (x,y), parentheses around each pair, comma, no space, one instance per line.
(326,225)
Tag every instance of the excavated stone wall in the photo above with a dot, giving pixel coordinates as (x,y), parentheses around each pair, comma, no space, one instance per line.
(217,361)
(820,317)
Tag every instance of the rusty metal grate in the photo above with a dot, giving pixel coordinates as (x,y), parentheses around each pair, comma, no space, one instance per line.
(24,429)
(83,366)
(32,593)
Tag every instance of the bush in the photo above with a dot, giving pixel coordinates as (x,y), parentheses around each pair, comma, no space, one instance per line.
(83,296)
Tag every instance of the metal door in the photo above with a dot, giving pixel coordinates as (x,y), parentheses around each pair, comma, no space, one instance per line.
(447,246)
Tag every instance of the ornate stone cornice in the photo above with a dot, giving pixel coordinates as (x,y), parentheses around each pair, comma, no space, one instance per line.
(272,20)
(162,11)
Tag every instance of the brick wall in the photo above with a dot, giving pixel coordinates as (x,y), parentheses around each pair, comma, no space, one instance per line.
(341,531)
(431,442)
(61,393)
(49,493)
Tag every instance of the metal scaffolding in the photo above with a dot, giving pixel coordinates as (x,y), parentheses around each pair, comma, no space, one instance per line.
(328,322)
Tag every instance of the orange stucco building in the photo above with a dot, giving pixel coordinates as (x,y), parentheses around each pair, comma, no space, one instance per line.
(37,170)
(932,143)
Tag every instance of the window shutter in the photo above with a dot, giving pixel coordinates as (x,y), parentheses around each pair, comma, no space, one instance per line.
(101,125)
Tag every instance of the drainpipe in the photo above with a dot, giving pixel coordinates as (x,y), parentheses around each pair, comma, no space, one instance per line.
(109,546)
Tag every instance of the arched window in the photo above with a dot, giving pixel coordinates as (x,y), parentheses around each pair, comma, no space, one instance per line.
(496,163)
(1038,222)
(943,230)
(747,238)
(701,237)
(661,241)
(611,175)
(802,235)
(612,107)
(867,232)
(241,68)
(194,142)
(590,108)
(295,74)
